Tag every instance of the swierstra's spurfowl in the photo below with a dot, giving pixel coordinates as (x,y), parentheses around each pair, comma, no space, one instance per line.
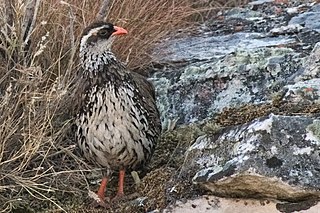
(118,124)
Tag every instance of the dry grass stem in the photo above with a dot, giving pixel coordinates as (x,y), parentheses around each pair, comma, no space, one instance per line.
(103,10)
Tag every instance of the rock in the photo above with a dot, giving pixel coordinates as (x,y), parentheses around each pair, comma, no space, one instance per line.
(309,19)
(289,29)
(245,58)
(275,157)
(303,91)
(232,71)
(208,47)
(214,204)
(311,69)
(200,90)
(258,2)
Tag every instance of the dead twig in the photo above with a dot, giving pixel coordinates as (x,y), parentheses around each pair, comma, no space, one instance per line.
(103,10)
(9,5)
(28,23)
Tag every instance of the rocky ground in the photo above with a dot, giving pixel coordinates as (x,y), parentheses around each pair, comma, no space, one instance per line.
(239,99)
(249,79)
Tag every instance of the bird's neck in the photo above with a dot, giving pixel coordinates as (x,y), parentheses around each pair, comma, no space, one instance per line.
(94,62)
(102,67)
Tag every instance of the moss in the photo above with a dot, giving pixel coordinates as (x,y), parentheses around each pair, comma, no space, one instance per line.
(154,186)
(315,128)
(211,128)
(249,112)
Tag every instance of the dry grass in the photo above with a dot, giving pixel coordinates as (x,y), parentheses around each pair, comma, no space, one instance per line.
(38,155)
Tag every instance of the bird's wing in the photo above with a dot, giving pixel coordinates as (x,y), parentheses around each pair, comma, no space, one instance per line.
(147,90)
(78,89)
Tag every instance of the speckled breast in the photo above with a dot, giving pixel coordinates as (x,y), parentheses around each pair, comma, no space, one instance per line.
(112,128)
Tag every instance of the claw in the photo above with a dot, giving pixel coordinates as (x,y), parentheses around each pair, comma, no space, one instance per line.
(96,204)
(98,200)
(118,197)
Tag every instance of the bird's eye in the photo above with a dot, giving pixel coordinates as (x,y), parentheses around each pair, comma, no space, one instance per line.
(103,33)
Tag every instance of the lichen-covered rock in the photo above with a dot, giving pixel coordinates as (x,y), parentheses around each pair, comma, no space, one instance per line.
(212,204)
(245,57)
(235,71)
(308,19)
(275,156)
(311,67)
(303,92)
(199,91)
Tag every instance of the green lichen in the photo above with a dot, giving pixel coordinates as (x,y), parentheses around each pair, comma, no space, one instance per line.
(315,128)
(211,128)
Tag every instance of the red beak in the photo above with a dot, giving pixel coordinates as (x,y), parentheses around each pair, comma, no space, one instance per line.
(119,31)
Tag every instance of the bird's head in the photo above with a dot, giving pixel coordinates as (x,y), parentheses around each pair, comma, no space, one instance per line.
(99,36)
(96,41)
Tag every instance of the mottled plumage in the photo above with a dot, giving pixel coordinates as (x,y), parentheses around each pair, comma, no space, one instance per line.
(118,124)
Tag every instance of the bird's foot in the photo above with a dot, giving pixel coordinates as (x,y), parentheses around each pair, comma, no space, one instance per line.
(99,200)
(101,203)
(118,197)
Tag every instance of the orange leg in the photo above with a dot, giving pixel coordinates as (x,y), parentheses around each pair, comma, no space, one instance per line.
(102,188)
(121,182)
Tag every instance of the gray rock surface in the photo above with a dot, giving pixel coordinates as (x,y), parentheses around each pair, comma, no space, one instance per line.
(200,90)
(245,58)
(212,204)
(246,160)
(309,19)
(205,46)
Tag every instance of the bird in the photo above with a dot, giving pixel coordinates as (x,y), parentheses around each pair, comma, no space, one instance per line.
(118,123)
